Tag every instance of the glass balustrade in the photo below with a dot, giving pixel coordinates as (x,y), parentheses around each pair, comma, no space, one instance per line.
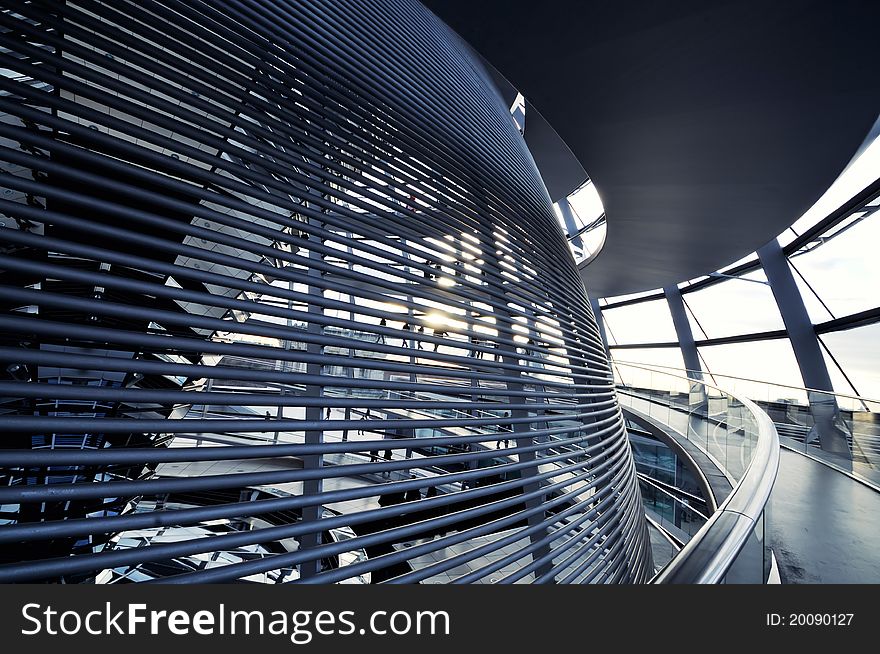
(840,430)
(740,443)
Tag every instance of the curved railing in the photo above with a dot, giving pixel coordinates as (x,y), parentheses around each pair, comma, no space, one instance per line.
(739,438)
(807,419)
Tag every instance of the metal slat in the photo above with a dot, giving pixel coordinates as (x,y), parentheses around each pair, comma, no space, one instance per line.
(318,208)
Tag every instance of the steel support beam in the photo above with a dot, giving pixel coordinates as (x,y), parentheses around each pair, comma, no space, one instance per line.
(683,332)
(697,391)
(828,426)
(600,321)
(571,225)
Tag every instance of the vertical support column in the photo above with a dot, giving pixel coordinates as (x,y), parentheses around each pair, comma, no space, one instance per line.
(697,395)
(683,332)
(284,366)
(522,437)
(508,355)
(827,424)
(313,487)
(570,224)
(600,321)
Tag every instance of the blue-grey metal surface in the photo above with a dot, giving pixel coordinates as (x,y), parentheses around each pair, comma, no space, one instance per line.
(683,332)
(297,249)
(828,425)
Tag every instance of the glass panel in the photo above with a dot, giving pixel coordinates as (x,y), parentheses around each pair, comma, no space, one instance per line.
(856,177)
(645,322)
(857,352)
(838,381)
(749,566)
(585,225)
(586,203)
(817,311)
(844,270)
(631,296)
(661,356)
(734,307)
(720,425)
(770,362)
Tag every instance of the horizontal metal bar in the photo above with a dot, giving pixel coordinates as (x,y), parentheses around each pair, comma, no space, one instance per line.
(319,211)
(156,552)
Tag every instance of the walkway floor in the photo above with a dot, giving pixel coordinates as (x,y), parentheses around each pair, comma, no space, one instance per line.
(823,526)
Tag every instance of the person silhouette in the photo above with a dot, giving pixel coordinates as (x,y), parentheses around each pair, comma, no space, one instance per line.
(504,428)
(413,494)
(387,455)
(366,416)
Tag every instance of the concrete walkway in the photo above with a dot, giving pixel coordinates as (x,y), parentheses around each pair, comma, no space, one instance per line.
(823,526)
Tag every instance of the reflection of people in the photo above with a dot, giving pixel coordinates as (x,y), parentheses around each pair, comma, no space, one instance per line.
(476,354)
(442,334)
(504,428)
(391,498)
(387,473)
(381,338)
(366,416)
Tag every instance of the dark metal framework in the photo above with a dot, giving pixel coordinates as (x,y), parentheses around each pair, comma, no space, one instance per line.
(826,419)
(809,239)
(863,203)
(295,253)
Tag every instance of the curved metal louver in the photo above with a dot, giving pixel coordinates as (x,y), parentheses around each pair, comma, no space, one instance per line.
(288,268)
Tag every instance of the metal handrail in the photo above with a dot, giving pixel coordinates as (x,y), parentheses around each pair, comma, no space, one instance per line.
(651,366)
(708,556)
